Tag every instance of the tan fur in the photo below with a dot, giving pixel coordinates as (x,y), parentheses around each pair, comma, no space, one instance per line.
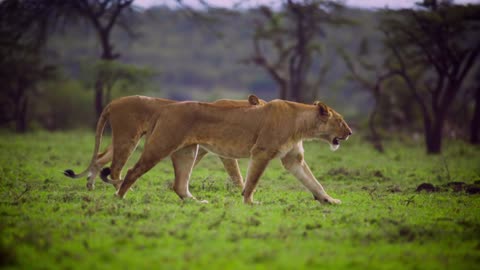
(129,118)
(261,133)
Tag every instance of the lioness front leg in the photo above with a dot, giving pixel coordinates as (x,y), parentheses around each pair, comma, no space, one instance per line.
(296,165)
(258,162)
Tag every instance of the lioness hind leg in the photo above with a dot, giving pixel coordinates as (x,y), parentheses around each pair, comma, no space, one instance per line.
(200,154)
(183,161)
(122,149)
(102,159)
(233,170)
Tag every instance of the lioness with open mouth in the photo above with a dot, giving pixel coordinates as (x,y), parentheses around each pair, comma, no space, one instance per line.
(129,118)
(261,133)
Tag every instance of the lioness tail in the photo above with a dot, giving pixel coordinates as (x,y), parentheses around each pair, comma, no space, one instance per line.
(98,139)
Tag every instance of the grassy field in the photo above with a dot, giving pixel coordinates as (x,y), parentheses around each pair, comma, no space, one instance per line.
(49,221)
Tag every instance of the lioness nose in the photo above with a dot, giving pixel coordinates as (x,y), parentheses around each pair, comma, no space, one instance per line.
(349,132)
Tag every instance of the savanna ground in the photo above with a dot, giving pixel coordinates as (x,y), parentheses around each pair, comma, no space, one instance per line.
(49,221)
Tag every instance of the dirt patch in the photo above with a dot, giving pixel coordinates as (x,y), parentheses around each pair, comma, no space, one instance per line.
(413,233)
(461,186)
(427,187)
(378,174)
(472,189)
(394,189)
(455,186)
(343,171)
(8,256)
(313,226)
(451,186)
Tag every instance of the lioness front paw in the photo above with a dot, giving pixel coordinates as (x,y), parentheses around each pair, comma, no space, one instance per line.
(330,200)
(327,200)
(193,199)
(251,202)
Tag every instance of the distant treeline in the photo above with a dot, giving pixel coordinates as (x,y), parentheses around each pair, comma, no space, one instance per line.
(191,58)
(387,71)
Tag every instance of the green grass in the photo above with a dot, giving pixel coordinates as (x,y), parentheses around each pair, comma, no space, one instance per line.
(49,221)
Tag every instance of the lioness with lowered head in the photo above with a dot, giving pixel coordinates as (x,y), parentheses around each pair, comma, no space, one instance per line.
(129,118)
(261,133)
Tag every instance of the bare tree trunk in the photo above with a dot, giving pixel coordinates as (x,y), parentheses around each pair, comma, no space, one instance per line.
(107,55)
(434,136)
(376,138)
(20,103)
(475,124)
(103,16)
(21,115)
(297,68)
(108,94)
(283,92)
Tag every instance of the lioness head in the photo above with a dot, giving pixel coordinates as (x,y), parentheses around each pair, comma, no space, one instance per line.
(333,128)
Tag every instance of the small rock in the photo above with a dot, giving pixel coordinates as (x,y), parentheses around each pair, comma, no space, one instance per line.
(472,189)
(427,187)
(313,226)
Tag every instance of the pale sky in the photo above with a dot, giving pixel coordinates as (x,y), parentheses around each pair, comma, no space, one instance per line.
(246,3)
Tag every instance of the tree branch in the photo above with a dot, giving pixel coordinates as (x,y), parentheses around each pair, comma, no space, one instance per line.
(260,60)
(116,12)
(403,74)
(469,63)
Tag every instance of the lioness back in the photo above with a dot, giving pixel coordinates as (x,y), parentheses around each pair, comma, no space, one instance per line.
(134,111)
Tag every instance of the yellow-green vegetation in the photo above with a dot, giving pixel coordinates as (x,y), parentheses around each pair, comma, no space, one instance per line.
(49,221)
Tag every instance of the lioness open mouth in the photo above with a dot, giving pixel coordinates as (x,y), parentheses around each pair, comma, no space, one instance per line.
(335,144)
(335,141)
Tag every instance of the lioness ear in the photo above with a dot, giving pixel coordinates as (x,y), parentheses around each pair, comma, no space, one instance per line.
(322,108)
(253,100)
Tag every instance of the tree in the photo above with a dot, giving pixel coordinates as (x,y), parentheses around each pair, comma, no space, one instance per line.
(475,122)
(432,50)
(370,77)
(24,72)
(23,31)
(103,15)
(24,26)
(286,45)
(113,75)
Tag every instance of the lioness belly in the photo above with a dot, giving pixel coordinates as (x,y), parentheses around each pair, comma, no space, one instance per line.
(228,150)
